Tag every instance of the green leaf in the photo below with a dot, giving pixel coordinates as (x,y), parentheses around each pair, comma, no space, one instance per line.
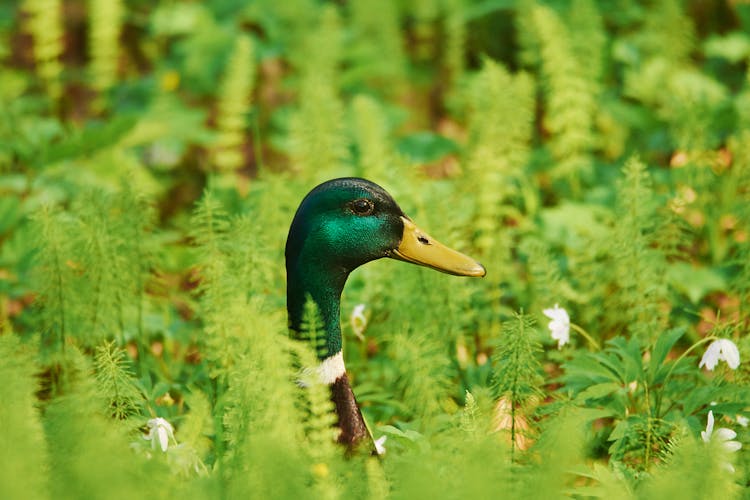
(91,139)
(572,224)
(408,439)
(598,391)
(619,431)
(178,18)
(733,47)
(663,345)
(10,213)
(695,282)
(426,147)
(485,8)
(589,414)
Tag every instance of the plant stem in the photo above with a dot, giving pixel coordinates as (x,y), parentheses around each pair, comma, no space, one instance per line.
(647,458)
(674,365)
(5,325)
(586,335)
(688,351)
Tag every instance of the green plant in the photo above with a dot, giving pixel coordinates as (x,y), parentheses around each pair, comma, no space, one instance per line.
(594,154)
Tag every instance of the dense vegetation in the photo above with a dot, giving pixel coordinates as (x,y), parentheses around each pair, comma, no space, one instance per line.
(593,155)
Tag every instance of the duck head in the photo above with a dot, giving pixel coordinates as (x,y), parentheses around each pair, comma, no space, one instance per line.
(340,225)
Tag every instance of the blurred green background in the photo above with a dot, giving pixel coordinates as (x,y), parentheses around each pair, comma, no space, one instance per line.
(594,155)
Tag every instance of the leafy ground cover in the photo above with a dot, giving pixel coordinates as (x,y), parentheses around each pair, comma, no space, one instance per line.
(594,156)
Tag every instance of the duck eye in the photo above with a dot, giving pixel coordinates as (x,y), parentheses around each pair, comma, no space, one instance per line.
(362,206)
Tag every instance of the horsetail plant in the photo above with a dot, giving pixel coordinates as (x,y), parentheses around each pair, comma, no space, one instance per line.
(597,158)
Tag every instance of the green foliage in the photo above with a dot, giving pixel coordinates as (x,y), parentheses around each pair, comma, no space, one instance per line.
(93,264)
(316,133)
(594,155)
(632,241)
(24,449)
(423,374)
(545,280)
(115,381)
(46,28)
(57,275)
(455,39)
(210,233)
(234,102)
(105,26)
(588,41)
(424,14)
(691,468)
(371,138)
(570,102)
(311,329)
(517,378)
(319,417)
(501,126)
(89,458)
(377,55)
(518,372)
(668,32)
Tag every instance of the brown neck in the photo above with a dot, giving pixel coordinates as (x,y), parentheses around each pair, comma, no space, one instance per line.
(352,425)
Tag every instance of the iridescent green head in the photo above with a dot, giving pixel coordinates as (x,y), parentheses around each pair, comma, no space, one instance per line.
(342,224)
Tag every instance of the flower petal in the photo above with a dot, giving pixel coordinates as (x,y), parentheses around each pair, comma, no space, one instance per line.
(380,445)
(551,312)
(730,353)
(711,357)
(724,434)
(557,313)
(559,327)
(560,333)
(732,446)
(163,438)
(728,467)
(709,427)
(162,430)
(564,316)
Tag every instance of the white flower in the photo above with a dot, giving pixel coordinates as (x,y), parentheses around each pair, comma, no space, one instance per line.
(559,327)
(721,350)
(358,320)
(380,445)
(743,421)
(161,430)
(724,436)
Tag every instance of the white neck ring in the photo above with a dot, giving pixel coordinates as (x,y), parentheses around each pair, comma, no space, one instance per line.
(331,368)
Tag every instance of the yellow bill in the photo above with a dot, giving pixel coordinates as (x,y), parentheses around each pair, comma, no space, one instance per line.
(420,248)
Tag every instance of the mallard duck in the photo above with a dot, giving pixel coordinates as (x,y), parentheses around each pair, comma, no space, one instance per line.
(340,225)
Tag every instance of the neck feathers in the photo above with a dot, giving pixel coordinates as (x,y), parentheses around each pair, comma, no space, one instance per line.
(332,372)
(351,423)
(332,368)
(324,287)
(325,291)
